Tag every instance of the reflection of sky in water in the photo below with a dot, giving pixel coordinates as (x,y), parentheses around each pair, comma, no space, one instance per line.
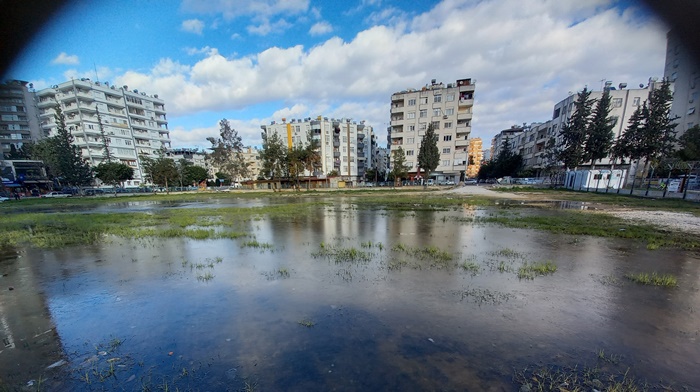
(375,328)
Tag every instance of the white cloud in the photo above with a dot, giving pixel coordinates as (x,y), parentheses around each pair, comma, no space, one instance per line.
(525,55)
(194,26)
(321,28)
(231,9)
(64,59)
(266,27)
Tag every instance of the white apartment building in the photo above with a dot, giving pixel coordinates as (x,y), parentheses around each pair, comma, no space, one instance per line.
(682,70)
(134,122)
(191,155)
(345,144)
(449,109)
(19,122)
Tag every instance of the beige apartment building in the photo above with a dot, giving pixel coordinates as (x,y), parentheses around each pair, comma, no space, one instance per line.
(449,109)
(251,155)
(475,156)
(345,145)
(134,122)
(682,70)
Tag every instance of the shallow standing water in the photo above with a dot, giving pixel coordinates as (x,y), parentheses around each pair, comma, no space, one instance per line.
(218,315)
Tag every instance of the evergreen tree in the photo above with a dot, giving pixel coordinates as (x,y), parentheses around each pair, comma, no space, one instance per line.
(651,132)
(398,165)
(272,157)
(573,134)
(105,140)
(690,144)
(63,159)
(599,136)
(428,154)
(227,152)
(15,153)
(161,171)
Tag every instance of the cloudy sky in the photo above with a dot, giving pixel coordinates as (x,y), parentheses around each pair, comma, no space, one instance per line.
(257,61)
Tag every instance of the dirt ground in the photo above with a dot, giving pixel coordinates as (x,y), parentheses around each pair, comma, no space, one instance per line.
(682,221)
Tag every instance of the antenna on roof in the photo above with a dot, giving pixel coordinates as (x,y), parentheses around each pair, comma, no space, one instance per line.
(97,78)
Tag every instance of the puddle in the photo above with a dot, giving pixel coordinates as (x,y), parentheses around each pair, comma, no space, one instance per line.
(345,299)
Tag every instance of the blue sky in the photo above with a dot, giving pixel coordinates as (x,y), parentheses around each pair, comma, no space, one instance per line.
(253,62)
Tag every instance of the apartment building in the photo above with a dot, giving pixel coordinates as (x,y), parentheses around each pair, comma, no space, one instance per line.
(475,156)
(449,109)
(380,161)
(191,155)
(511,134)
(19,122)
(345,145)
(682,70)
(251,155)
(135,123)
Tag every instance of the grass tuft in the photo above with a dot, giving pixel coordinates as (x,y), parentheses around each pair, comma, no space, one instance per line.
(653,279)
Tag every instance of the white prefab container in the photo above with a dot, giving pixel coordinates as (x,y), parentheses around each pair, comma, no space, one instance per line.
(595,179)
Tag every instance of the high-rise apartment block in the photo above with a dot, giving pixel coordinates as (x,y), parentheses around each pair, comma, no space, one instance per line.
(134,123)
(683,71)
(345,145)
(18,116)
(449,109)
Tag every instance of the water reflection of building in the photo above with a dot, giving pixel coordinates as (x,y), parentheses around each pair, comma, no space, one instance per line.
(29,339)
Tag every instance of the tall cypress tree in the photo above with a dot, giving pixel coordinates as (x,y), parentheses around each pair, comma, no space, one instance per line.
(69,165)
(428,154)
(573,134)
(599,136)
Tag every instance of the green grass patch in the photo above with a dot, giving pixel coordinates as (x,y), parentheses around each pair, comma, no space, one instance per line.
(341,254)
(257,245)
(530,271)
(653,279)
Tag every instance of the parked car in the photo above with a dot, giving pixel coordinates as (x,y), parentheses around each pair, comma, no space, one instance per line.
(470,181)
(3,198)
(450,182)
(56,195)
(93,192)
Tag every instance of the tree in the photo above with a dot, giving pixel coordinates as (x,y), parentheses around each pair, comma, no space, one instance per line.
(272,157)
(23,152)
(551,166)
(399,169)
(161,171)
(573,133)
(428,154)
(505,164)
(63,159)
(599,135)
(227,152)
(194,174)
(114,173)
(690,144)
(105,140)
(650,132)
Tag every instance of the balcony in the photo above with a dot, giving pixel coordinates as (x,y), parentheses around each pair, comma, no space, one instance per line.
(466,102)
(461,142)
(336,154)
(46,102)
(396,109)
(462,129)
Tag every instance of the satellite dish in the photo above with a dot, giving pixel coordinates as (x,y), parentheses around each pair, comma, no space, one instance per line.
(641,85)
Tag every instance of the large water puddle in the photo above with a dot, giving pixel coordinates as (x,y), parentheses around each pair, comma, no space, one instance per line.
(344,299)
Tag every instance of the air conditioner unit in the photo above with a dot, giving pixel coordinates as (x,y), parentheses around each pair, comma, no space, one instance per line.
(444,117)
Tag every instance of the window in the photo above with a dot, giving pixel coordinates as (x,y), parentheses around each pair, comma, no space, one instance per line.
(412,102)
(617,102)
(411,115)
(423,126)
(436,112)
(446,162)
(450,97)
(437,98)
(410,140)
(448,125)
(446,150)
(635,101)
(409,153)
(424,100)
(447,138)
(449,112)
(674,76)
(411,128)
(557,112)
(345,139)
(423,113)
(436,124)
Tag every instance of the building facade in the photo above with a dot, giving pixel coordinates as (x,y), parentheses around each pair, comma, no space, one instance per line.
(135,123)
(682,70)
(19,122)
(191,155)
(345,145)
(475,156)
(449,109)
(251,155)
